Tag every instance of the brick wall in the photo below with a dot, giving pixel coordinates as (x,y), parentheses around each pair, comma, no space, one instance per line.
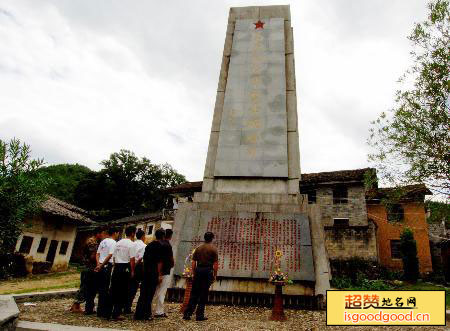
(354,209)
(356,240)
(415,219)
(353,241)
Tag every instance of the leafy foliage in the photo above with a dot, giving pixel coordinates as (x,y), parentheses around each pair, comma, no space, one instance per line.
(439,211)
(411,143)
(408,248)
(126,185)
(65,179)
(22,190)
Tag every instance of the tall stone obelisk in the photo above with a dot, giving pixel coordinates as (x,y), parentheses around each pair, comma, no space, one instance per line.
(250,196)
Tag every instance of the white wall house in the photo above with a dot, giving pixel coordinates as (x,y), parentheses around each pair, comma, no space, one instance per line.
(49,237)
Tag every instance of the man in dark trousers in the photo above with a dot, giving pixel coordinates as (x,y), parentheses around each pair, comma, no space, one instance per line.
(124,260)
(104,267)
(205,266)
(138,269)
(153,262)
(88,280)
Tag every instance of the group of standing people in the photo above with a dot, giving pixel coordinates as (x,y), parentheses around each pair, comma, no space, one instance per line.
(115,270)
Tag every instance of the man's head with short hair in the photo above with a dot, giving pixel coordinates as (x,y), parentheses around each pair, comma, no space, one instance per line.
(140,234)
(130,231)
(209,236)
(113,232)
(99,232)
(168,234)
(159,234)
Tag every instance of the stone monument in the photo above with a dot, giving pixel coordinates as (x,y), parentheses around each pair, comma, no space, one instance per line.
(250,196)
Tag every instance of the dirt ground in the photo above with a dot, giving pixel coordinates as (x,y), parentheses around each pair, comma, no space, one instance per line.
(41,283)
(220,318)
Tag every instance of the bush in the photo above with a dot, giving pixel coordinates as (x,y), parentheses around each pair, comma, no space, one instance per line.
(408,248)
(341,282)
(12,265)
(370,269)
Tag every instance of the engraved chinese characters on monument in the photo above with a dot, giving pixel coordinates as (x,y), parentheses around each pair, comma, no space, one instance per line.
(253,135)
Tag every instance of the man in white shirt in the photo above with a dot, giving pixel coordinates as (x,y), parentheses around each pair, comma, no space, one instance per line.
(138,270)
(124,263)
(104,266)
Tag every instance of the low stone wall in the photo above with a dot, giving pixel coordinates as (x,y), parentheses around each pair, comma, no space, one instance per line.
(9,313)
(252,299)
(44,296)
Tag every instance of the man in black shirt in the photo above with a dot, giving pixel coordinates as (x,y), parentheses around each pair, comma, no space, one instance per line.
(168,264)
(153,262)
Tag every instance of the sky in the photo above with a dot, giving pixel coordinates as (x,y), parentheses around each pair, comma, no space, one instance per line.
(82,79)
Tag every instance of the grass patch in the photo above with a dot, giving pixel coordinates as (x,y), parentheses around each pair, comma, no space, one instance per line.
(421,286)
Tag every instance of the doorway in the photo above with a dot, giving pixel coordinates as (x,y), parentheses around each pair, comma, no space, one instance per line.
(52,251)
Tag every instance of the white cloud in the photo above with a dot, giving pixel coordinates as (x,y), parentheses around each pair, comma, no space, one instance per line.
(81,79)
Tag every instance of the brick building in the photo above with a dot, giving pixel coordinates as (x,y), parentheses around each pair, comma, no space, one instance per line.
(391,220)
(341,198)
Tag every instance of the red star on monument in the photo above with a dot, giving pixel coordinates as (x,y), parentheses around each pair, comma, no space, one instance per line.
(259,25)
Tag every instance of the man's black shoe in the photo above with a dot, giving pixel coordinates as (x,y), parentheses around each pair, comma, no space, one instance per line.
(201,318)
(186,317)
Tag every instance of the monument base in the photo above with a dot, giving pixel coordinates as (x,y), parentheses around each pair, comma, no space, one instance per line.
(249,229)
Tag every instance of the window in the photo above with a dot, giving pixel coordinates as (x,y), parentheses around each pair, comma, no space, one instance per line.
(341,222)
(395,249)
(25,245)
(340,195)
(311,194)
(63,248)
(42,245)
(150,229)
(394,212)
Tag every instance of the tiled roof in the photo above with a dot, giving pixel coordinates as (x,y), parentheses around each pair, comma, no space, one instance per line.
(335,176)
(137,218)
(313,178)
(186,187)
(70,212)
(406,192)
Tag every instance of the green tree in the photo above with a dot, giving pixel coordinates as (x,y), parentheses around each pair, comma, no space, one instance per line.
(411,142)
(439,211)
(127,185)
(65,179)
(408,249)
(22,190)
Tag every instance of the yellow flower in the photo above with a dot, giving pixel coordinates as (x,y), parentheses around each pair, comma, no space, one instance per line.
(278,253)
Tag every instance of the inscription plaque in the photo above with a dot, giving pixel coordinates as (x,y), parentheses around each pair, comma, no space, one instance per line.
(247,245)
